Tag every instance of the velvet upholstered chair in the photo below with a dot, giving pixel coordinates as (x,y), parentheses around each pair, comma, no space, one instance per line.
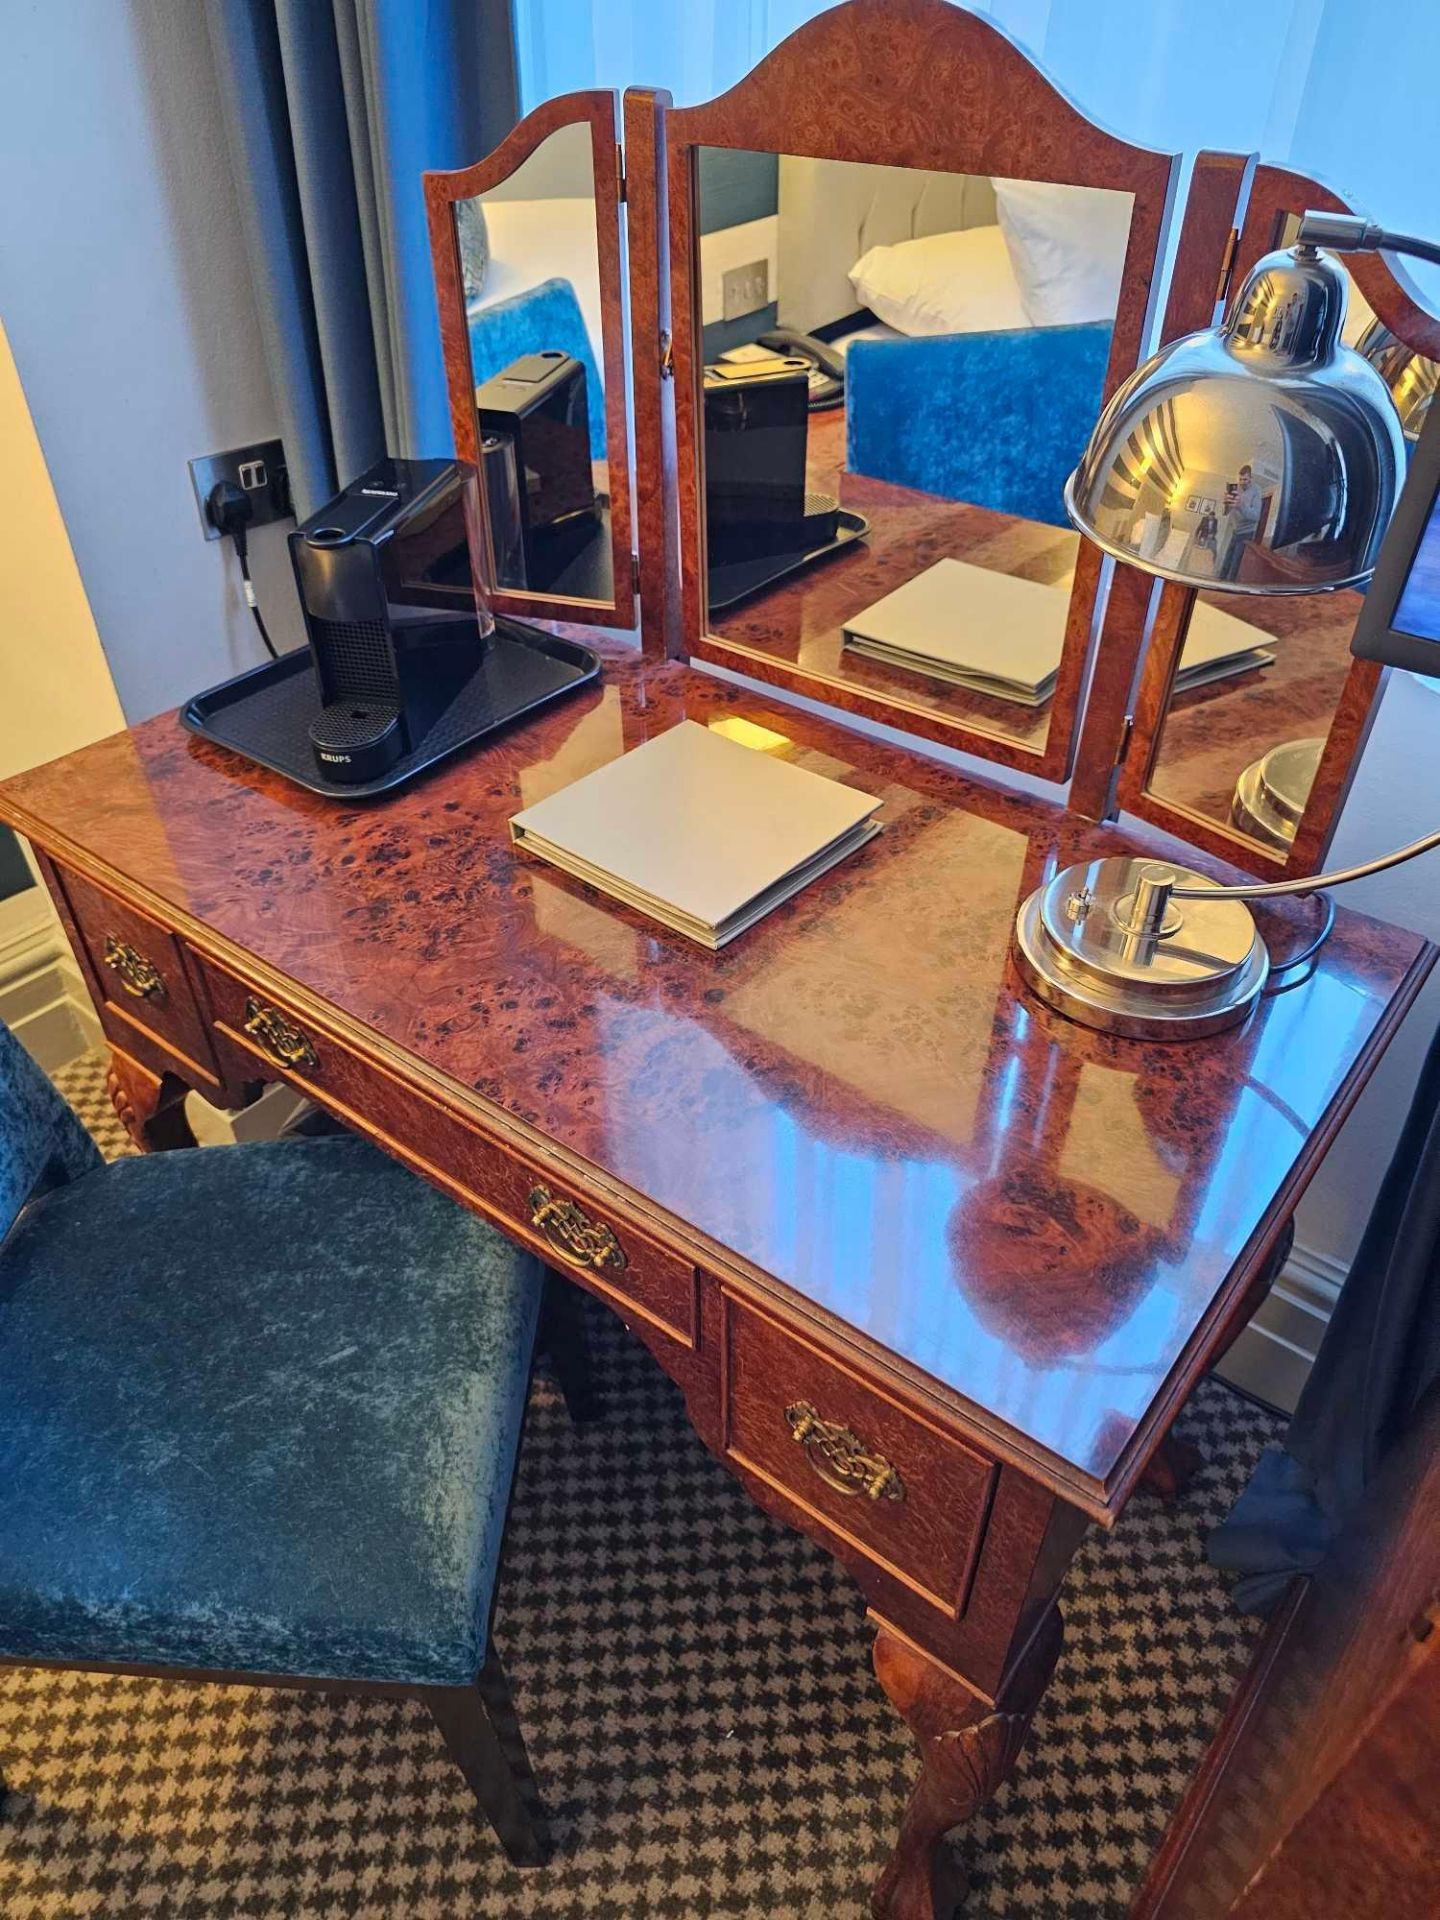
(260,1408)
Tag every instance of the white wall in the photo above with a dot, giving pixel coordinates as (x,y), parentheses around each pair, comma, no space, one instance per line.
(1395,799)
(125,292)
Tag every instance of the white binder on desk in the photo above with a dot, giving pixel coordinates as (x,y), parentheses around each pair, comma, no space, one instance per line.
(699,832)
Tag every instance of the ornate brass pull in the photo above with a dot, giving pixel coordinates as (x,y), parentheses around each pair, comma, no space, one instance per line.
(573,1234)
(841,1457)
(286,1045)
(137,975)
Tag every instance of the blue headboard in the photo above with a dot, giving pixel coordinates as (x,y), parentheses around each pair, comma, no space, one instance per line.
(999,419)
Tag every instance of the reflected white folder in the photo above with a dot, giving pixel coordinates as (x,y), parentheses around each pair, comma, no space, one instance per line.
(1003,636)
(699,832)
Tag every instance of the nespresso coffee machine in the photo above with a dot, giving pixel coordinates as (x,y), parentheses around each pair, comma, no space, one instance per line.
(393,643)
(406,665)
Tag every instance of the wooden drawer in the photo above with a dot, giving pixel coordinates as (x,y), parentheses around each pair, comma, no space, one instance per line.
(880,1474)
(259,1036)
(143,981)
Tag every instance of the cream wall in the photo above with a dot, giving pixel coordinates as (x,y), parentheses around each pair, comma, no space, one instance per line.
(56,693)
(55,687)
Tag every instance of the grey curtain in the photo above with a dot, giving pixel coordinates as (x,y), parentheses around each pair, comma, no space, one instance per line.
(1379,1357)
(333,109)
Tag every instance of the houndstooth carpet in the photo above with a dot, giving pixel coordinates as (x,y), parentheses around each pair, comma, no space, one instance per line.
(696,1690)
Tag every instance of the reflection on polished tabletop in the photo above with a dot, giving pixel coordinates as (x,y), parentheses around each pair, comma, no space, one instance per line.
(856,1098)
(802,620)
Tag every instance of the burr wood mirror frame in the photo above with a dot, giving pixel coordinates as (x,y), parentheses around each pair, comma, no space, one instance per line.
(901,83)
(1261,221)
(599,111)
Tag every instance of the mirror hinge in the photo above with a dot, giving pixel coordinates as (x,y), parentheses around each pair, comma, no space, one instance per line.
(667,356)
(620,172)
(1227,265)
(1126,729)
(635,573)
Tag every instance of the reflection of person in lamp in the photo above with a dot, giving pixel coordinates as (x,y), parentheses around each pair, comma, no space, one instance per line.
(1242,522)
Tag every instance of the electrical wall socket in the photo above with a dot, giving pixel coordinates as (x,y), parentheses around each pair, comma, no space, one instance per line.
(260,469)
(744,290)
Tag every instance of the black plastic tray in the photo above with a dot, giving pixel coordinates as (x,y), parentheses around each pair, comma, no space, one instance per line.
(735,580)
(265,714)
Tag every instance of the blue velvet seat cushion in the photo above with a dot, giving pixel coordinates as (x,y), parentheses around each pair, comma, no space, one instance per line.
(41,1141)
(259,1411)
(543,317)
(999,419)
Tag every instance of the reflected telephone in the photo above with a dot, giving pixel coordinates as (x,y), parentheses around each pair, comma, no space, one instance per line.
(826,366)
(783,350)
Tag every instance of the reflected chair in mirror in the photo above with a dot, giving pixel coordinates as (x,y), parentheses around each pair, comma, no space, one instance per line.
(260,1408)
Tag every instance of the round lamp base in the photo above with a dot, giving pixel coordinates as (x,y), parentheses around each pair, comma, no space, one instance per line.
(1080,947)
(1270,795)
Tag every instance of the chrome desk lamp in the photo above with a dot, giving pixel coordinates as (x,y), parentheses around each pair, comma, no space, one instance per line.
(1142,947)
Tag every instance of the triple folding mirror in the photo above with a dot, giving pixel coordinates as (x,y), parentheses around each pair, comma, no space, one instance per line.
(872,326)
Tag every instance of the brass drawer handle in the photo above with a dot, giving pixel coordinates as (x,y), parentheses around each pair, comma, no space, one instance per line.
(840,1456)
(137,975)
(286,1045)
(573,1234)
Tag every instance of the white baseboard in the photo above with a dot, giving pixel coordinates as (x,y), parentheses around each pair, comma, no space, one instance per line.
(1272,1358)
(43,999)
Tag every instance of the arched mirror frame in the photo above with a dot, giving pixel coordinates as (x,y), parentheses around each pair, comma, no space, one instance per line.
(1277,195)
(599,109)
(906,83)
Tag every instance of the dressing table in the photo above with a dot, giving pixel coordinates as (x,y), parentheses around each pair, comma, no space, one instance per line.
(934,1268)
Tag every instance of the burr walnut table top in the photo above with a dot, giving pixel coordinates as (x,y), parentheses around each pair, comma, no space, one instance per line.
(1040,1227)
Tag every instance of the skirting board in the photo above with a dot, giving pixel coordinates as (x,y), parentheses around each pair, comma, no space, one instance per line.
(44,1003)
(1271,1359)
(42,995)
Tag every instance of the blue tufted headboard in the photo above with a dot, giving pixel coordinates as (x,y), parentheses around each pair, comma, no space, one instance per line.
(999,419)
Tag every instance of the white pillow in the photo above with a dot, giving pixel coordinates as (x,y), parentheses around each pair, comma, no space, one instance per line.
(1067,248)
(944,283)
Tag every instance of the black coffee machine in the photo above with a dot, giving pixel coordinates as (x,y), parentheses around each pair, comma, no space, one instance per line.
(378,568)
(406,663)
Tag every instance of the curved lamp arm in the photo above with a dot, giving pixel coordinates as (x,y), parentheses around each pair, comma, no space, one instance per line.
(1352,233)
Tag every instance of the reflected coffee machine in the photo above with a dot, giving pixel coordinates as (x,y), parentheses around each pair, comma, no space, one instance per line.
(534,418)
(761,521)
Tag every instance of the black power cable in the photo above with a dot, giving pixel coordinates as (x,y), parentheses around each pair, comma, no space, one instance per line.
(229,508)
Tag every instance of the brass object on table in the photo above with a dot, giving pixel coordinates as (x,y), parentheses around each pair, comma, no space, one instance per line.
(137,975)
(841,1457)
(286,1045)
(574,1235)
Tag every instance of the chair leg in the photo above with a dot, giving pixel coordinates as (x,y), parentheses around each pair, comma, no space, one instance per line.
(486,1743)
(1171,1468)
(562,1336)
